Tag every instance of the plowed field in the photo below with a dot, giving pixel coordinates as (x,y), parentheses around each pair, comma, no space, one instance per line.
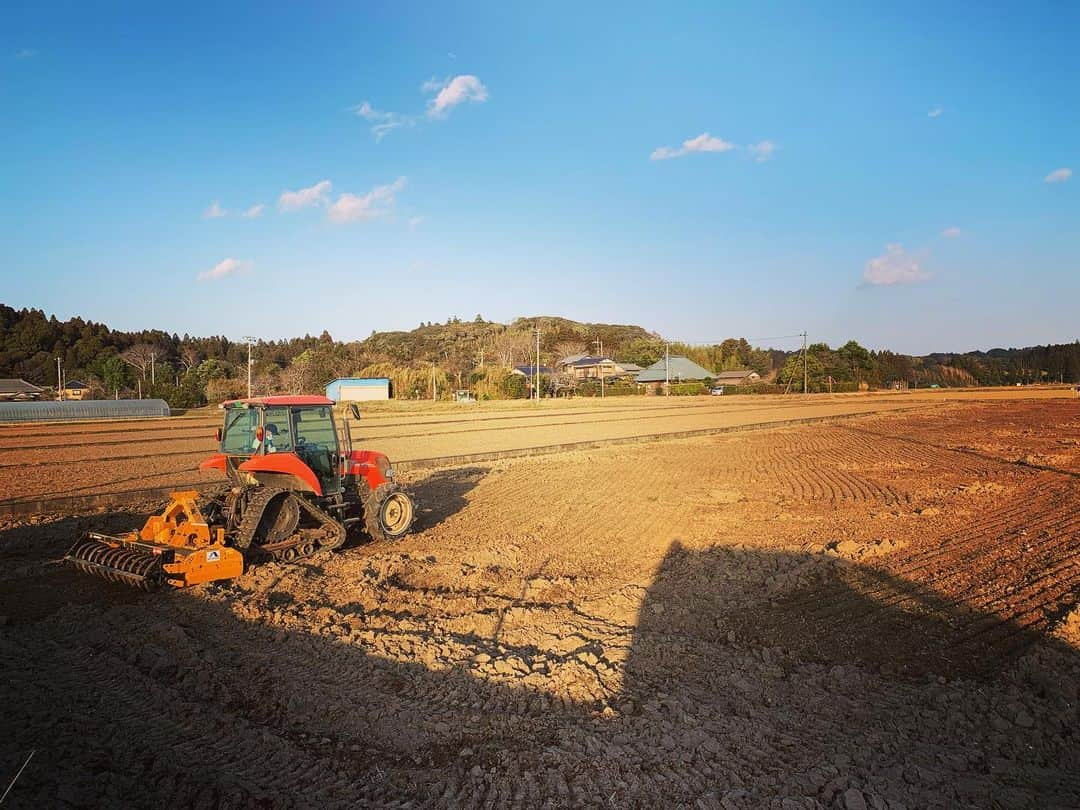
(46,462)
(878,612)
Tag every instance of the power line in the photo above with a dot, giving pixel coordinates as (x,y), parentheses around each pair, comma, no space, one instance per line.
(774,337)
(748,340)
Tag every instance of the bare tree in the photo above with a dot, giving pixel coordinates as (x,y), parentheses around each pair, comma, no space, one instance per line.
(266,382)
(189,358)
(299,376)
(513,347)
(140,356)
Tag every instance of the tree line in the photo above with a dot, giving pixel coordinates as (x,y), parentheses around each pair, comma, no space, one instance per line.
(477,355)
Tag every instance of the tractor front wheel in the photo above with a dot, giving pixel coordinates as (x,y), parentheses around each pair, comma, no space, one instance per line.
(396,515)
(388,513)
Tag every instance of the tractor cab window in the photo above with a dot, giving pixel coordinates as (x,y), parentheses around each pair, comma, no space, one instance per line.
(277,434)
(238,435)
(315,428)
(316,443)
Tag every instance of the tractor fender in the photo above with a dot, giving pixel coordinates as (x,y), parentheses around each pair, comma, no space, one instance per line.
(372,466)
(300,475)
(215,462)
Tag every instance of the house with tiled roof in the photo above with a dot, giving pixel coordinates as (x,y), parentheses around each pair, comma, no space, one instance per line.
(14,390)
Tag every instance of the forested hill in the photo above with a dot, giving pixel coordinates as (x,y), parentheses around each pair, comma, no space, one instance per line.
(477,353)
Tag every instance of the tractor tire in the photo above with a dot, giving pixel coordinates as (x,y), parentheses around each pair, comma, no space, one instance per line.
(388,513)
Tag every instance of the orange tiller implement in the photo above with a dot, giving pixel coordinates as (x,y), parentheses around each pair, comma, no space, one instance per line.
(175,548)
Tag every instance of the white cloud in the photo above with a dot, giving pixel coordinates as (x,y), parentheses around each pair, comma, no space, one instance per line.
(374,204)
(894,266)
(452,92)
(415,222)
(214,211)
(762,151)
(1058,176)
(951,233)
(253,212)
(382,122)
(935,113)
(302,198)
(702,143)
(227,267)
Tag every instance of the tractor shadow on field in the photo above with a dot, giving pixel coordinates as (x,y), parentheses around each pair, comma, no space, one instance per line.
(441,494)
(747,676)
(819,609)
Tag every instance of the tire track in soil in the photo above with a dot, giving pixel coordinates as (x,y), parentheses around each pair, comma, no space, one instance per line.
(997,608)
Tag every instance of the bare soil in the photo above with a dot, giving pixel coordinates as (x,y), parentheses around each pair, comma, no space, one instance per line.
(51,461)
(880,612)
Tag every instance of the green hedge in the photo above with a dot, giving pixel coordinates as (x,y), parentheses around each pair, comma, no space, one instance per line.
(689,389)
(591,388)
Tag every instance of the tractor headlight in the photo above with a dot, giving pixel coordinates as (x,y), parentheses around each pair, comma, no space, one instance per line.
(389,472)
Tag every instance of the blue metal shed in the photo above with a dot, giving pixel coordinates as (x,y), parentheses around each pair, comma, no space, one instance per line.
(358,389)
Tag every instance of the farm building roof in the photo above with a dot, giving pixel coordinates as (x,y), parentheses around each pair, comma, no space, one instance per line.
(589,360)
(280,400)
(677,368)
(359,380)
(573,358)
(528,371)
(630,368)
(11,388)
(74,385)
(736,374)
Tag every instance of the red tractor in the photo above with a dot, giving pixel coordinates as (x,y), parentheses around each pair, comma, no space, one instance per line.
(295,486)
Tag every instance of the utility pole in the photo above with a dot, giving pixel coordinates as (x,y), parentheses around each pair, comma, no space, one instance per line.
(59,382)
(805,373)
(667,369)
(250,340)
(536,382)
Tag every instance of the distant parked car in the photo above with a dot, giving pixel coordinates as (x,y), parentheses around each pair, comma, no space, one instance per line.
(718,391)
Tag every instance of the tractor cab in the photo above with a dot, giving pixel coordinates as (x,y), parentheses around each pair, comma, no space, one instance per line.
(268,437)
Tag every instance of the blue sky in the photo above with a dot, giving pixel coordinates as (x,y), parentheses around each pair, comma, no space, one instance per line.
(899,176)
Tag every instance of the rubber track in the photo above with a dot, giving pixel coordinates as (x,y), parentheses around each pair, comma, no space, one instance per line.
(253,513)
(325,520)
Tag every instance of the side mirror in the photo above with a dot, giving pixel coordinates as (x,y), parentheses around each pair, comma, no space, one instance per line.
(260,433)
(217,434)
(354,411)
